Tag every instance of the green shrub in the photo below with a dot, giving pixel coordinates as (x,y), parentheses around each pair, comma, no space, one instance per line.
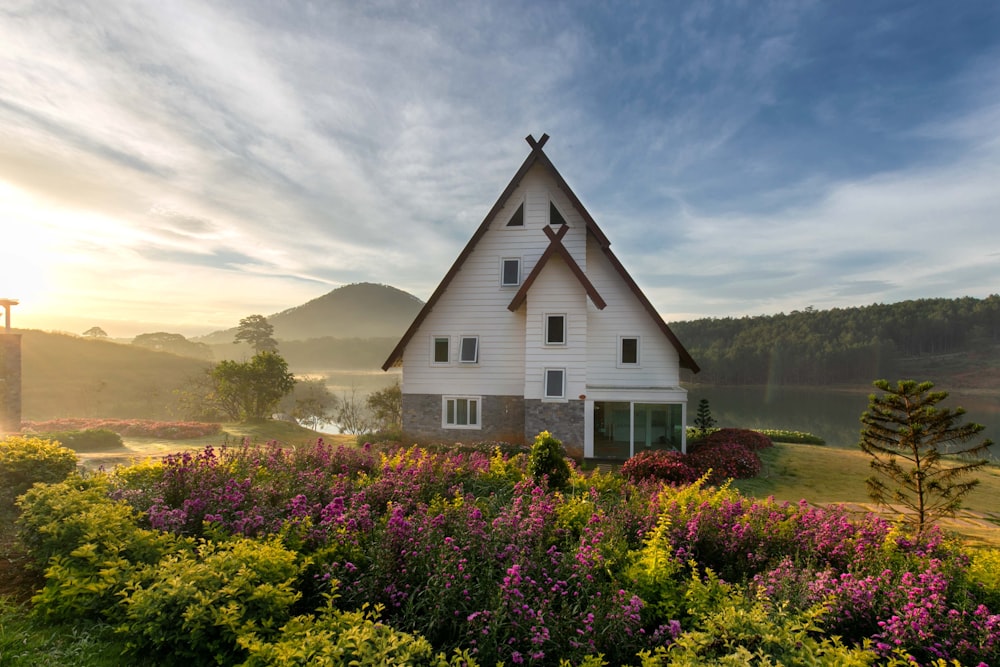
(90,546)
(548,459)
(199,603)
(89,440)
(26,460)
(337,638)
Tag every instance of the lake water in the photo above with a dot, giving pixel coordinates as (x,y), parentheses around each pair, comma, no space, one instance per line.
(832,414)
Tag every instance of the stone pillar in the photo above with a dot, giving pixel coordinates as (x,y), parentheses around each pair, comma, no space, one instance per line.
(10,383)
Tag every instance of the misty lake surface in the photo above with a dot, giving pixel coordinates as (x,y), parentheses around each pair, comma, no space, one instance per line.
(832,414)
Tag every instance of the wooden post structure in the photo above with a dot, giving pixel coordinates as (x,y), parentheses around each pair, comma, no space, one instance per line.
(10,374)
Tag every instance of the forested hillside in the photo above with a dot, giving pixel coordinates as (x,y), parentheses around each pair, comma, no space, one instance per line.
(955,338)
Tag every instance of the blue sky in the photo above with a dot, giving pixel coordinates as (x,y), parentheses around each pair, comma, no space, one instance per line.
(179,165)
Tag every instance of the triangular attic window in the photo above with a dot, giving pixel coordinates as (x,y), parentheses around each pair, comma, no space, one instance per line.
(517,220)
(555,217)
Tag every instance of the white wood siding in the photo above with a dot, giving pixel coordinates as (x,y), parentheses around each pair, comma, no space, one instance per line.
(659,363)
(556,291)
(475,304)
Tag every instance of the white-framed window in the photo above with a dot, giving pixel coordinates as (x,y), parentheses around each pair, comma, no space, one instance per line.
(468,350)
(517,220)
(628,350)
(555,217)
(461,412)
(440,349)
(555,383)
(555,328)
(510,271)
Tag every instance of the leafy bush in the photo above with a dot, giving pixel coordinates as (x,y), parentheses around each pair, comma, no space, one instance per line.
(91,440)
(199,604)
(752,440)
(547,458)
(335,638)
(664,465)
(89,545)
(26,460)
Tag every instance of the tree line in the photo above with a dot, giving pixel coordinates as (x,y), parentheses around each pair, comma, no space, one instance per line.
(837,346)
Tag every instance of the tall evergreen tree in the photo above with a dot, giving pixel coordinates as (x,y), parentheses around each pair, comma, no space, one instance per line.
(906,435)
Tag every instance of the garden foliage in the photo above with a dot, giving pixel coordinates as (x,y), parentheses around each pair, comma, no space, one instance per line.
(727,453)
(26,460)
(320,555)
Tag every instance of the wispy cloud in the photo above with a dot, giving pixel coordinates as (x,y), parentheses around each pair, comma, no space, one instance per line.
(209,160)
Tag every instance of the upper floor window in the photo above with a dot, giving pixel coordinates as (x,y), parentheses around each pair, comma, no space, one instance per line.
(555,383)
(517,220)
(555,217)
(440,349)
(510,271)
(555,329)
(468,352)
(628,351)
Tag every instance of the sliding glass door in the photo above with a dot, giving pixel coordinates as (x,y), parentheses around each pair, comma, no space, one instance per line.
(622,429)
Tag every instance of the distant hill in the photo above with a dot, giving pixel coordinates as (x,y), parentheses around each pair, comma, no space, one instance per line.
(70,376)
(360,310)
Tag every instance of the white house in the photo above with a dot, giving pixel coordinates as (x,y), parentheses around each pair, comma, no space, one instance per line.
(538,326)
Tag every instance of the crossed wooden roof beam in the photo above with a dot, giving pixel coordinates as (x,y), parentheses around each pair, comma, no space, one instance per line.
(556,247)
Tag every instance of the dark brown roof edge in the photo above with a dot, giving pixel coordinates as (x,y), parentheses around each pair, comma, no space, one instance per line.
(536,150)
(687,361)
(537,155)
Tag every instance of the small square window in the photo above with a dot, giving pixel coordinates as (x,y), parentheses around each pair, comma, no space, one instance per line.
(469,350)
(442,346)
(510,272)
(555,383)
(555,329)
(628,354)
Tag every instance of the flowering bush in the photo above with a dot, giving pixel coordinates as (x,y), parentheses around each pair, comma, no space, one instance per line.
(661,464)
(135,428)
(724,460)
(467,553)
(752,440)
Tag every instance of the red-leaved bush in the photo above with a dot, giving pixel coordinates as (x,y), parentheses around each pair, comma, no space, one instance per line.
(662,464)
(725,460)
(752,440)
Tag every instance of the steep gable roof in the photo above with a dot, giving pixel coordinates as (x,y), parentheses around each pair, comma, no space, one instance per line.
(538,156)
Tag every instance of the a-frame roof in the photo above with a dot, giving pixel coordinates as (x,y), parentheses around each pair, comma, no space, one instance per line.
(538,156)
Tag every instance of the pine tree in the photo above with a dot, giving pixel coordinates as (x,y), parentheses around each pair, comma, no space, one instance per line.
(704,421)
(906,435)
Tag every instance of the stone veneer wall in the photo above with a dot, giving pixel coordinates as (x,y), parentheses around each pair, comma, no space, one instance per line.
(10,383)
(502,418)
(562,420)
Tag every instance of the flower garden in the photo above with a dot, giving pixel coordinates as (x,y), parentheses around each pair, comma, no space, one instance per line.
(261,555)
